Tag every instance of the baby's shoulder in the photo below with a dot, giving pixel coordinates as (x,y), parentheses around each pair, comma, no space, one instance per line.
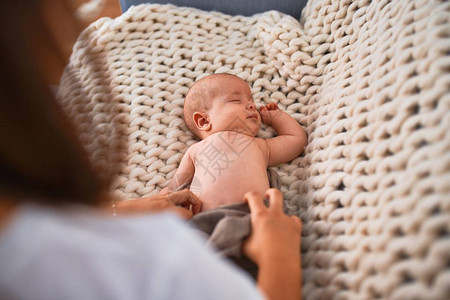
(194,149)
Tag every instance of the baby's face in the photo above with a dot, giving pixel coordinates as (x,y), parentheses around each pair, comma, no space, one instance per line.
(233,107)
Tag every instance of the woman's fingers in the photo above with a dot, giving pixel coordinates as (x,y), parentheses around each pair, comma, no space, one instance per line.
(297,222)
(255,202)
(164,191)
(275,199)
(196,203)
(273,232)
(179,197)
(182,212)
(186,199)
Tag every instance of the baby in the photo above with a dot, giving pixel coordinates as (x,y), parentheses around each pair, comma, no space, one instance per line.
(230,160)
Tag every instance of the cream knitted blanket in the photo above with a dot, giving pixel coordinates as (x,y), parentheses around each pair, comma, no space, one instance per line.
(368,80)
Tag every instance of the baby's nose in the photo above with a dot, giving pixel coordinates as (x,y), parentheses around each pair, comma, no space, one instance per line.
(251,106)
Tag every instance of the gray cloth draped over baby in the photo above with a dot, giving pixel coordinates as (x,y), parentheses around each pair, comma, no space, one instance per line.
(225,228)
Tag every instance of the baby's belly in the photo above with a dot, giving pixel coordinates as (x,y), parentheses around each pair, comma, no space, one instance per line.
(230,187)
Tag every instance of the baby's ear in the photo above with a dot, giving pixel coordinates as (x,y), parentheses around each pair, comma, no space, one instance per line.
(201,121)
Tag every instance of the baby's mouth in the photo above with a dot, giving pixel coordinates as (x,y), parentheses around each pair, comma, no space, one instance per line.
(255,117)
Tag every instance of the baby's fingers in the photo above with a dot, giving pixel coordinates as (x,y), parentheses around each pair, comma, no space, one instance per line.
(272,106)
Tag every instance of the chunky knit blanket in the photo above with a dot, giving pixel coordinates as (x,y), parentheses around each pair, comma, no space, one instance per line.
(368,80)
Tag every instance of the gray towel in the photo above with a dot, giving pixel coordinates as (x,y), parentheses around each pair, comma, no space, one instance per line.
(227,227)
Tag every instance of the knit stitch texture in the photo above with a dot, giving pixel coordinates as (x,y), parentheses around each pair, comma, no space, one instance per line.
(369,81)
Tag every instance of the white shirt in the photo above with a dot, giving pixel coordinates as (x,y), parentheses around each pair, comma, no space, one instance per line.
(77,254)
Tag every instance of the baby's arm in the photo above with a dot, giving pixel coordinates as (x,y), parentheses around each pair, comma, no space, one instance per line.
(185,172)
(291,139)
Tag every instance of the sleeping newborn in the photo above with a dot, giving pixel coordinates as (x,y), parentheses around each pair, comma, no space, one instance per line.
(230,160)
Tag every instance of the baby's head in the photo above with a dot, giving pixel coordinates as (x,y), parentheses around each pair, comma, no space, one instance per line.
(221,102)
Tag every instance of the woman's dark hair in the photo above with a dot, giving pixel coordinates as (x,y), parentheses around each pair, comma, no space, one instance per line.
(41,158)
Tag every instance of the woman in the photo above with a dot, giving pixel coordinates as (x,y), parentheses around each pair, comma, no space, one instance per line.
(57,242)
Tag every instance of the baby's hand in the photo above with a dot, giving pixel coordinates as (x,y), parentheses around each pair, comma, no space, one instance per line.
(269,112)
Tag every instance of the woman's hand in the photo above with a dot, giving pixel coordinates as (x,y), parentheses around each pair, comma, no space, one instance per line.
(274,245)
(273,232)
(183,202)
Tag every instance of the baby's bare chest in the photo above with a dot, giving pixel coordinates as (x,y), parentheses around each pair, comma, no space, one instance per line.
(229,153)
